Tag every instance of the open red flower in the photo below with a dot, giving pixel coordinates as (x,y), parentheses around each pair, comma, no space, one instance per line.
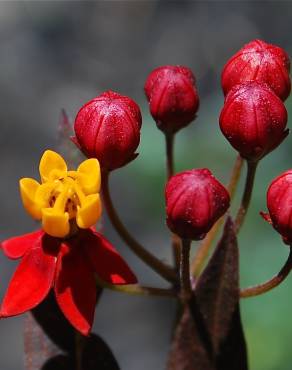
(50,259)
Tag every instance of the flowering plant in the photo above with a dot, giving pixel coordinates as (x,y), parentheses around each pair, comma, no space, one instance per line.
(67,263)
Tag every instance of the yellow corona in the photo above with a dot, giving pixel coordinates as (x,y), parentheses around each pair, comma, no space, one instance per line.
(63,196)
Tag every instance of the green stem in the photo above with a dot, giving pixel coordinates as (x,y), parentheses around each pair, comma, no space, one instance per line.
(161,268)
(204,248)
(245,201)
(270,284)
(138,289)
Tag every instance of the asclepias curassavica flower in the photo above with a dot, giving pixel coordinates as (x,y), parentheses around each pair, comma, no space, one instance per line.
(66,253)
(67,257)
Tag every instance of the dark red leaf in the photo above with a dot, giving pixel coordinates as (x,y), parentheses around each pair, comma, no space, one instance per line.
(60,362)
(54,324)
(217,291)
(189,350)
(37,346)
(48,333)
(209,335)
(233,353)
(97,355)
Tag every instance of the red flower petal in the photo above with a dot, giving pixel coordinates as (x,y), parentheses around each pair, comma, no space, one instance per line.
(32,280)
(16,247)
(75,288)
(106,261)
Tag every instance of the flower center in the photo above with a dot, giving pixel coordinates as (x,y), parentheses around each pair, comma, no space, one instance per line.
(63,197)
(66,195)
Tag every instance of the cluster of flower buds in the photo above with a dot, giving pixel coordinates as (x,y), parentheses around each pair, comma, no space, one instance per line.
(67,251)
(254,118)
(255,81)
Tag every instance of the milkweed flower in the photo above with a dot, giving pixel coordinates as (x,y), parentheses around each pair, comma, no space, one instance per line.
(108,128)
(279,202)
(261,62)
(195,200)
(66,253)
(173,98)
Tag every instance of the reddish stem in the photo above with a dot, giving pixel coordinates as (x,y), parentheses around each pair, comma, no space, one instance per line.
(270,284)
(161,268)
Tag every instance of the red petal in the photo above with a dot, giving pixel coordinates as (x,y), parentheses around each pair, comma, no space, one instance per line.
(106,261)
(75,288)
(32,280)
(16,247)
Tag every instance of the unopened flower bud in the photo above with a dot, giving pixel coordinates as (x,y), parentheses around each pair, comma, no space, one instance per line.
(173,98)
(108,128)
(253,120)
(195,200)
(262,62)
(279,202)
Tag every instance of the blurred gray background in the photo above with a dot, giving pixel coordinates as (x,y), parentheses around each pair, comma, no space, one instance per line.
(57,55)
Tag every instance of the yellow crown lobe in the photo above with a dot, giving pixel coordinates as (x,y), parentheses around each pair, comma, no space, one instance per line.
(63,195)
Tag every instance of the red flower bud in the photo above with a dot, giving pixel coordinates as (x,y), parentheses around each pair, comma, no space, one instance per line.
(262,62)
(172,96)
(279,202)
(253,120)
(195,200)
(108,128)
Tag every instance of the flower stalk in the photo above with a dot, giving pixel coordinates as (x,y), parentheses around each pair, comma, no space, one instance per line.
(270,284)
(137,289)
(247,193)
(158,266)
(185,278)
(175,240)
(169,139)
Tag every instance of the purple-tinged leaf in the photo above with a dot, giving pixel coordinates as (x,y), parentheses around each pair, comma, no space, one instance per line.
(37,346)
(217,291)
(190,349)
(209,335)
(53,323)
(233,353)
(60,362)
(97,355)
